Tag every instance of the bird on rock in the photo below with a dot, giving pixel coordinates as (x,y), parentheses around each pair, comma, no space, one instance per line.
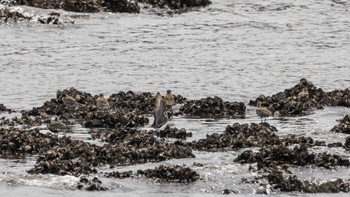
(102,103)
(70,102)
(169,98)
(56,126)
(160,114)
(263,112)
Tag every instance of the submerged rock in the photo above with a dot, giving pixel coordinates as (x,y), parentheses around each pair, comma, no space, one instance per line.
(238,136)
(176,4)
(213,108)
(343,126)
(302,98)
(89,184)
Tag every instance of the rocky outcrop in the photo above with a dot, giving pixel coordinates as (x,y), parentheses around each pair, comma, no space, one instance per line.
(343,126)
(276,155)
(213,108)
(110,5)
(238,136)
(76,157)
(173,174)
(302,98)
(10,14)
(84,5)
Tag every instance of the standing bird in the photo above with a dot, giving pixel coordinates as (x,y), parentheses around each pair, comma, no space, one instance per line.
(70,102)
(56,126)
(263,112)
(102,103)
(160,114)
(169,98)
(303,94)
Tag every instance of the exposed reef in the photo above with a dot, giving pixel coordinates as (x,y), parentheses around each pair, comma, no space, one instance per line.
(303,98)
(238,136)
(76,157)
(93,6)
(277,155)
(174,174)
(343,126)
(213,107)
(292,184)
(9,14)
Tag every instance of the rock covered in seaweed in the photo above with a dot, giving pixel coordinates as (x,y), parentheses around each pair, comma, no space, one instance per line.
(213,108)
(343,126)
(302,98)
(238,136)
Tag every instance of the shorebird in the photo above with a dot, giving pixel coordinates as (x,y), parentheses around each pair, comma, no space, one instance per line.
(160,114)
(70,101)
(56,126)
(169,98)
(263,112)
(303,94)
(102,102)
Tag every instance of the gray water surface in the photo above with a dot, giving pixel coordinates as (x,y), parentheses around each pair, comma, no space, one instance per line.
(233,49)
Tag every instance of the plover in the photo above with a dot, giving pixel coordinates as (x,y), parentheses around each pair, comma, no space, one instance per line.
(262,112)
(169,98)
(70,102)
(56,126)
(102,102)
(303,94)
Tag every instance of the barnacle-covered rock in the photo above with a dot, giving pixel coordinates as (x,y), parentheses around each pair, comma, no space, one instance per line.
(302,98)
(343,126)
(213,107)
(275,155)
(84,5)
(162,173)
(238,136)
(176,174)
(88,184)
(169,132)
(292,184)
(16,142)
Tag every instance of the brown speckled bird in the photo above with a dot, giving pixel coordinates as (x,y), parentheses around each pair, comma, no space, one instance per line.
(262,112)
(102,103)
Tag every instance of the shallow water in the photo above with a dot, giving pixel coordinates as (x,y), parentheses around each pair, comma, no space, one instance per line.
(233,49)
